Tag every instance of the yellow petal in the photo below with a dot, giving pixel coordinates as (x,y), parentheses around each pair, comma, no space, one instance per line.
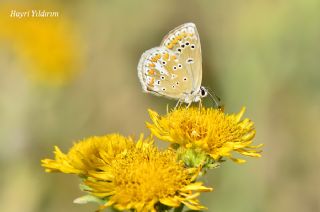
(170,202)
(197,186)
(238,160)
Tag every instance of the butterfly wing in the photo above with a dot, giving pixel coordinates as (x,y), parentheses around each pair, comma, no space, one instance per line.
(185,42)
(161,73)
(174,69)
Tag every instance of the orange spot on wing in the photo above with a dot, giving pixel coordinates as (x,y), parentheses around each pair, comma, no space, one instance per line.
(170,46)
(155,58)
(151,82)
(166,56)
(173,57)
(152,65)
(152,72)
(175,41)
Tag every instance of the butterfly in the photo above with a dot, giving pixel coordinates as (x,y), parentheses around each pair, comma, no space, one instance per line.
(174,69)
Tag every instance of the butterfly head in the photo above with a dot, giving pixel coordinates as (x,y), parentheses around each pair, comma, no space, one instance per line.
(196,96)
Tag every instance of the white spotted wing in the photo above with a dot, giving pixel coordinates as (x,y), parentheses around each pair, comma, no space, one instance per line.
(174,68)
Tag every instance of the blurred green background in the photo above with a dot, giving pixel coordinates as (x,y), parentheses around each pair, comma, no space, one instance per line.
(66,78)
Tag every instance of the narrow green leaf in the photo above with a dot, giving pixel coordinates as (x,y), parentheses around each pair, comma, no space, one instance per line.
(89,198)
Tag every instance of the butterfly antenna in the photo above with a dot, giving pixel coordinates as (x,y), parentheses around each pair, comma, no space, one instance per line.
(214,98)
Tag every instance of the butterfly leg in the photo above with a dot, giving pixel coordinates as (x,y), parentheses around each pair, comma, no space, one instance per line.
(200,104)
(189,104)
(178,104)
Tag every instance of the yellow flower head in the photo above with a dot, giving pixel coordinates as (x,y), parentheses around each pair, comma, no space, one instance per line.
(211,130)
(88,154)
(143,177)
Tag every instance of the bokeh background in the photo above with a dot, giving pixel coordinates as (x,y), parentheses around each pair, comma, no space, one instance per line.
(66,78)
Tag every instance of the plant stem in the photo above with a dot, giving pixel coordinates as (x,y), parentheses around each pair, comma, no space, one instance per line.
(179,209)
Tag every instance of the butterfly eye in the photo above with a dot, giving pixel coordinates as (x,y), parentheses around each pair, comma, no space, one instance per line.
(203,91)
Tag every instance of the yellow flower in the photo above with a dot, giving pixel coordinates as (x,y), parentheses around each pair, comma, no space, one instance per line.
(215,132)
(143,177)
(88,154)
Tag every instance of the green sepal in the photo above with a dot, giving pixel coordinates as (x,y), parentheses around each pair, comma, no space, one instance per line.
(84,187)
(89,198)
(195,157)
(191,157)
